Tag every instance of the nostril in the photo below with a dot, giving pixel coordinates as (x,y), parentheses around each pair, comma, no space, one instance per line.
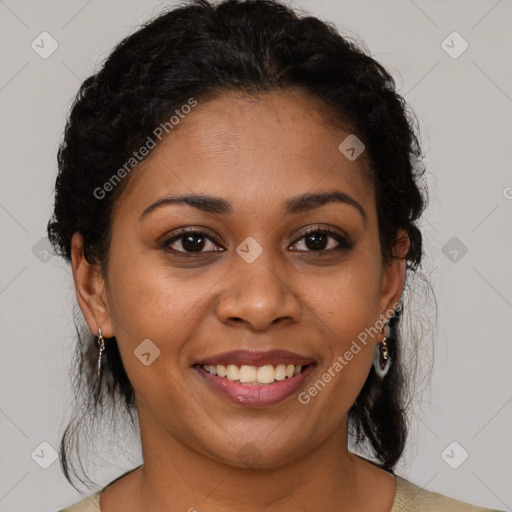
(237,320)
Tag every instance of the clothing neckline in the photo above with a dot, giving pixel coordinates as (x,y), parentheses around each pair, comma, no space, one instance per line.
(398,479)
(101,491)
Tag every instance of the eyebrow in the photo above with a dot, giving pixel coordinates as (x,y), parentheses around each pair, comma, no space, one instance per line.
(298,204)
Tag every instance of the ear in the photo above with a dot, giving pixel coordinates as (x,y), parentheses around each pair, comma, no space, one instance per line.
(90,289)
(393,277)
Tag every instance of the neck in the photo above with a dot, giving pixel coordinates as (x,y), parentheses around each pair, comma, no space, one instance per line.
(175,476)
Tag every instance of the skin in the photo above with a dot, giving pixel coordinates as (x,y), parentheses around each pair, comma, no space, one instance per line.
(255,153)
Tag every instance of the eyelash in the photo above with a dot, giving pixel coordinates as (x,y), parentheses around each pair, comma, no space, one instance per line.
(344,243)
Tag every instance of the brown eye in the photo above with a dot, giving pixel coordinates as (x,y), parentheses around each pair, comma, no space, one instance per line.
(317,241)
(193,243)
(190,241)
(323,240)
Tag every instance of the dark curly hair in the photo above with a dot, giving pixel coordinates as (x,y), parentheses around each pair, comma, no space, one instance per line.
(200,50)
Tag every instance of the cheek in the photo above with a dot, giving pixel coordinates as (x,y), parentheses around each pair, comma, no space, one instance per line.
(348,350)
(350,297)
(347,305)
(149,304)
(149,301)
(153,318)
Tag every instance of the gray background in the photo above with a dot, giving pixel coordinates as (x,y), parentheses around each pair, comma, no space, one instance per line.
(464,107)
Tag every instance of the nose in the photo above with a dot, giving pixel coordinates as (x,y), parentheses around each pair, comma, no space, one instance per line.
(258,294)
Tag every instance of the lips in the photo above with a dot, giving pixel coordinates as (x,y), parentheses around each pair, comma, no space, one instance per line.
(255,395)
(256,358)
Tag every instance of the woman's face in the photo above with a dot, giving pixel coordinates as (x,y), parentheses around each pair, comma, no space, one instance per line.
(253,279)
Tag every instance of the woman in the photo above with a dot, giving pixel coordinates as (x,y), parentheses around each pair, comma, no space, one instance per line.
(238,194)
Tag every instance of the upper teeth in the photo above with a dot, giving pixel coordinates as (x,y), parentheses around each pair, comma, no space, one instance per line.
(254,374)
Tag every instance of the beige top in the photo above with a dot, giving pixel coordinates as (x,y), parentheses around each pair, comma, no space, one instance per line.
(408,498)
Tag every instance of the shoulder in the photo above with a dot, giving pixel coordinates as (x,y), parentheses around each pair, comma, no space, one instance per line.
(92,503)
(410,497)
(89,504)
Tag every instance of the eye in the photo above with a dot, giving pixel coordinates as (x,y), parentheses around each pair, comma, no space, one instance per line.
(317,240)
(190,240)
(320,240)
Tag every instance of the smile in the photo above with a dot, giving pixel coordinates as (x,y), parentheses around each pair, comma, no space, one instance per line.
(254,375)
(255,386)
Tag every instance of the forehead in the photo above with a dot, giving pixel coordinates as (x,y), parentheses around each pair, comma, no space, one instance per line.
(255,148)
